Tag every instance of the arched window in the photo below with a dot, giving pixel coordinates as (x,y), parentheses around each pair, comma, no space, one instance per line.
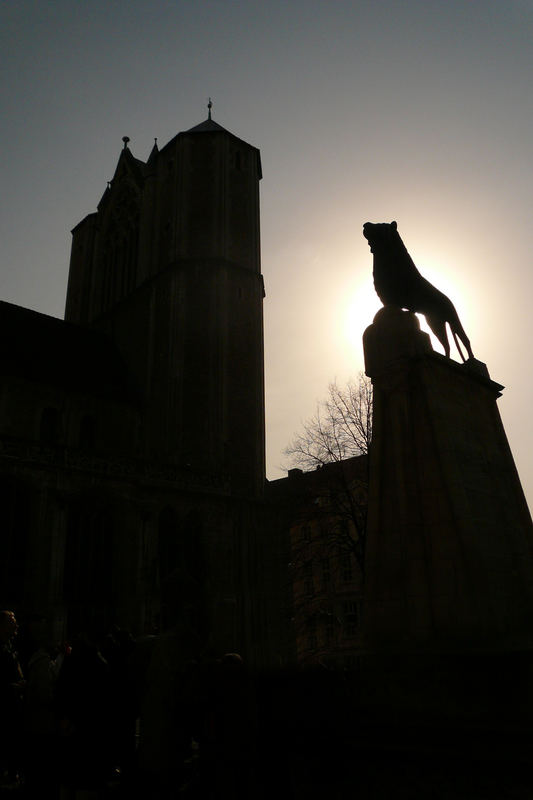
(120,248)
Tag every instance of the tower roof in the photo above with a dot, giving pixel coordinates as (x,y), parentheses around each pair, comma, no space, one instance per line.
(207,126)
(210,126)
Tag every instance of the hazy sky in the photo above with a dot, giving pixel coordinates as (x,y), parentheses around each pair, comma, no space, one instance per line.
(414,110)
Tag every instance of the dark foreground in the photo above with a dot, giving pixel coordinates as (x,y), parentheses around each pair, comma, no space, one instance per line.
(350,773)
(440,728)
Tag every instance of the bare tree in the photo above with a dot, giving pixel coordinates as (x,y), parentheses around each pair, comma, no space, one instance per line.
(327,532)
(336,441)
(340,429)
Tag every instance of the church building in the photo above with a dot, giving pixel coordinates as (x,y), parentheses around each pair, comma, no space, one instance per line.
(132,439)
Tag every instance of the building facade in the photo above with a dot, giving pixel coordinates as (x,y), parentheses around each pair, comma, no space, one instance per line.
(326,511)
(132,433)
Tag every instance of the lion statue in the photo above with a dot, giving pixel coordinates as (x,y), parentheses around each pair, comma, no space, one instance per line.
(398,282)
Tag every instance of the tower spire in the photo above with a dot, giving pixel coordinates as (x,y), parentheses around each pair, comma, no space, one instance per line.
(209,107)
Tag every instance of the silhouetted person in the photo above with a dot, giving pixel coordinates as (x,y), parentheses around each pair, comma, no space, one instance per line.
(228,748)
(117,648)
(85,710)
(164,742)
(41,763)
(12,686)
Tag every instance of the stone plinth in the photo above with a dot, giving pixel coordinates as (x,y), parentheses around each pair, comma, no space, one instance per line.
(449,560)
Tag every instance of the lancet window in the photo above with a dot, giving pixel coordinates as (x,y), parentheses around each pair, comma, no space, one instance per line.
(120,249)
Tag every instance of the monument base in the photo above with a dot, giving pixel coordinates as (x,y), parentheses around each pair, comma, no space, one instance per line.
(449,554)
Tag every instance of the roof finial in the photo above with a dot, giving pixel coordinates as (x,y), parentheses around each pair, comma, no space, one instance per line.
(125,139)
(209,107)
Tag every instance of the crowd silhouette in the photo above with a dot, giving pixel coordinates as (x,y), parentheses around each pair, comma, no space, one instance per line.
(112,714)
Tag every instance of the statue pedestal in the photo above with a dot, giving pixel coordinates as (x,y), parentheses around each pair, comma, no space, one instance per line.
(449,558)
(448,600)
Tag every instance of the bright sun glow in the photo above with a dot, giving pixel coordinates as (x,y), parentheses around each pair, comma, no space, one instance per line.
(439,275)
(362,304)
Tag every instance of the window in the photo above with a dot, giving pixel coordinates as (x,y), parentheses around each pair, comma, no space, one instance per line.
(351,618)
(120,239)
(331,627)
(312,642)
(308,578)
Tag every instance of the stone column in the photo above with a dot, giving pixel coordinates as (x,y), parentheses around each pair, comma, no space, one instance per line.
(449,559)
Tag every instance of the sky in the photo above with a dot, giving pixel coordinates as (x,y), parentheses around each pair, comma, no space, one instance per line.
(419,111)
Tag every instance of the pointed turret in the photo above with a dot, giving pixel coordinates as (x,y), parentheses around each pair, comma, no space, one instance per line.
(152,158)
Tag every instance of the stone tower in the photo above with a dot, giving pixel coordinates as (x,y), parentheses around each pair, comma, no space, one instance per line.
(169,267)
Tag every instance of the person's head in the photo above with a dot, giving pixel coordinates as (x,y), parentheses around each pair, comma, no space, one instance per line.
(232,664)
(8,626)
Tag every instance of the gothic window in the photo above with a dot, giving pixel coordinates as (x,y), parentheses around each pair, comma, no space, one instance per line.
(331,627)
(308,578)
(120,249)
(350,615)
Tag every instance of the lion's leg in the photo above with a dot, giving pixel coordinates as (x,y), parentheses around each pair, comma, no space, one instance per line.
(456,340)
(438,326)
(458,329)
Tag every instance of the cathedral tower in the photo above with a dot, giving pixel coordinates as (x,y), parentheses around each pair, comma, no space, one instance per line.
(169,267)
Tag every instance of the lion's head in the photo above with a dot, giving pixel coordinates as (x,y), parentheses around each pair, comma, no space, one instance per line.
(380,234)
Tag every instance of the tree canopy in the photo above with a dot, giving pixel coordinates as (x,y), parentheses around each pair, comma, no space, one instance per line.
(341,427)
